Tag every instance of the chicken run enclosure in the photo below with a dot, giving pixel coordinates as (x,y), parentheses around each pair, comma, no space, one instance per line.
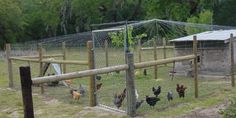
(137,56)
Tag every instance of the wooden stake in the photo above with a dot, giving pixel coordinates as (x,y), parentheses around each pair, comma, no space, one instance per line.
(92,82)
(164,49)
(106,53)
(232,59)
(40,52)
(155,57)
(26,83)
(139,51)
(64,55)
(130,86)
(9,65)
(195,66)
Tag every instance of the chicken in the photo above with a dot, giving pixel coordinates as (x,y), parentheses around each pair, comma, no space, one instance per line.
(181,90)
(81,90)
(152,100)
(119,98)
(138,104)
(137,73)
(157,91)
(98,86)
(68,82)
(170,95)
(136,94)
(98,78)
(76,95)
(145,72)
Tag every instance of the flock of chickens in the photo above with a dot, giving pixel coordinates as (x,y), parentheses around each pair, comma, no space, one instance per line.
(119,97)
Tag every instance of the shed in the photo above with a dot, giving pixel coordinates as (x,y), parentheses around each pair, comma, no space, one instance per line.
(213,52)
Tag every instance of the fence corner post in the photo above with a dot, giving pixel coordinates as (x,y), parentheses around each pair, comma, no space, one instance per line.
(92,82)
(26,87)
(232,60)
(195,64)
(64,55)
(9,66)
(130,86)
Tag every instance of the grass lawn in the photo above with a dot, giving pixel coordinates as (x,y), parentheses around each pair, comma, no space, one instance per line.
(57,102)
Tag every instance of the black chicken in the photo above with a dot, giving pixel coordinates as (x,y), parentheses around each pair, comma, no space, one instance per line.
(119,98)
(98,78)
(152,100)
(145,72)
(138,104)
(156,91)
(170,96)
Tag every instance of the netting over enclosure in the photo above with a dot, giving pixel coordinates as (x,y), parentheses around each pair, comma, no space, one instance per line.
(112,40)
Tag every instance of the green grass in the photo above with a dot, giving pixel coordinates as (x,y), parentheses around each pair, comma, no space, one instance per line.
(211,91)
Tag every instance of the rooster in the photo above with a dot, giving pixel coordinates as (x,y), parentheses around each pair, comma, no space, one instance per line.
(170,96)
(156,91)
(152,100)
(81,90)
(119,98)
(98,86)
(181,90)
(138,104)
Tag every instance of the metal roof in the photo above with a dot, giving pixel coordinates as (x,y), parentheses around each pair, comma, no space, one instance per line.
(218,35)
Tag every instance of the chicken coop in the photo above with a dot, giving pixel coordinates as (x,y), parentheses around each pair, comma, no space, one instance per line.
(213,52)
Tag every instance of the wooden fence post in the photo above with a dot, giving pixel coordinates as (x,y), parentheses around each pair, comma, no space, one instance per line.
(155,57)
(64,55)
(232,60)
(130,86)
(9,66)
(106,53)
(92,82)
(40,52)
(195,64)
(164,49)
(26,87)
(139,51)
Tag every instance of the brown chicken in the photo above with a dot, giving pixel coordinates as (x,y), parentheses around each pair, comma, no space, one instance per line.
(181,90)
(119,98)
(68,82)
(98,86)
(76,95)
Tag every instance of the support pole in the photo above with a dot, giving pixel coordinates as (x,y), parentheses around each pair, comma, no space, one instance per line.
(26,87)
(139,51)
(232,60)
(130,86)
(64,55)
(106,53)
(195,66)
(9,66)
(40,52)
(155,57)
(164,49)
(92,83)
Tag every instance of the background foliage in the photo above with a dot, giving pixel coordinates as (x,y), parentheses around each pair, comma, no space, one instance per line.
(24,20)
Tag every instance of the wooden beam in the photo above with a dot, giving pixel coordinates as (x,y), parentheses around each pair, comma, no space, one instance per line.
(66,62)
(24,59)
(79,74)
(44,56)
(106,53)
(9,66)
(159,47)
(232,60)
(130,86)
(155,56)
(64,55)
(163,61)
(92,82)
(195,64)
(40,52)
(26,87)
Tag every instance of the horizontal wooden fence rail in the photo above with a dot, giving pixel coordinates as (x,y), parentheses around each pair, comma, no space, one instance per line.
(50,61)
(44,56)
(159,47)
(73,75)
(163,61)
